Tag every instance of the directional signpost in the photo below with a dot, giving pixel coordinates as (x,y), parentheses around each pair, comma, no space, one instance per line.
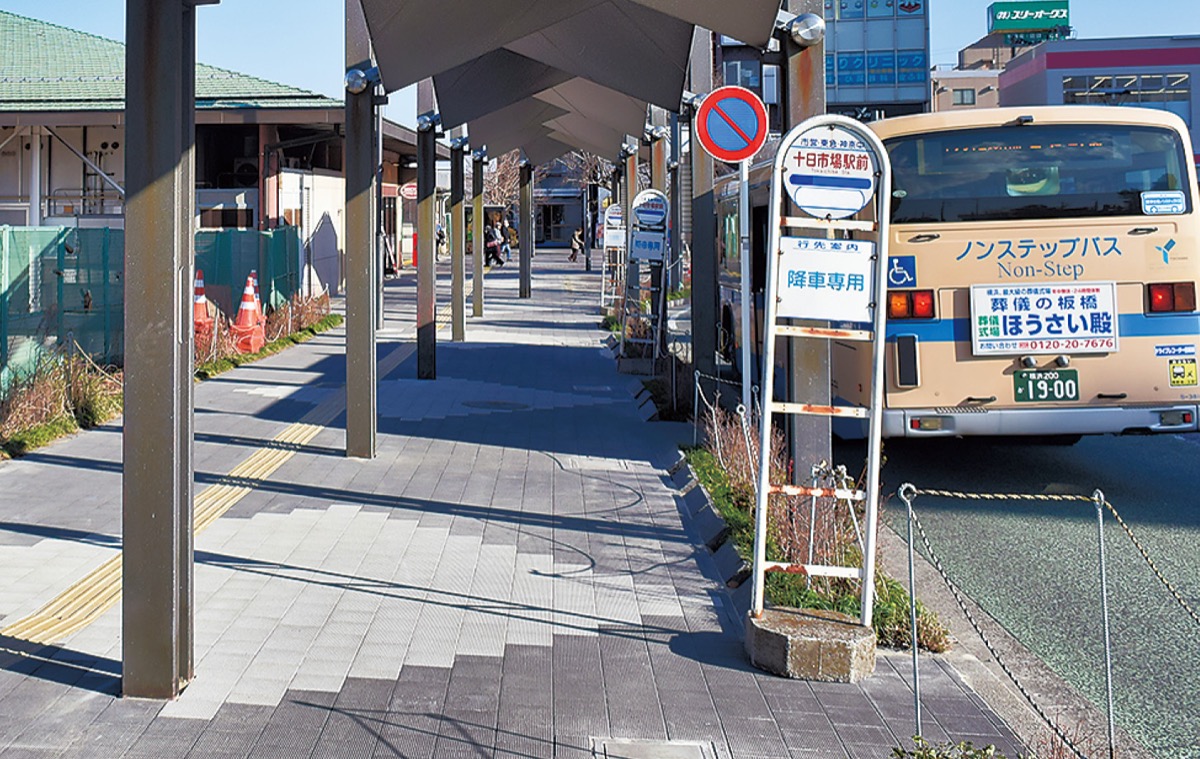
(731,126)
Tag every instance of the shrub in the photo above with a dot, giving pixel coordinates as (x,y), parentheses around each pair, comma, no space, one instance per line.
(964,750)
(728,468)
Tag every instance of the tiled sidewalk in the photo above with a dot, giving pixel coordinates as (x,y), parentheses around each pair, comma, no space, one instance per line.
(510,576)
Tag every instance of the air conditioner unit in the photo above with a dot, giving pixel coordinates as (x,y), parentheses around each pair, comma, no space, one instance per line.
(245,172)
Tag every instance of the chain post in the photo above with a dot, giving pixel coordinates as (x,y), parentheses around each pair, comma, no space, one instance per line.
(814,473)
(907,492)
(1098,498)
(696,409)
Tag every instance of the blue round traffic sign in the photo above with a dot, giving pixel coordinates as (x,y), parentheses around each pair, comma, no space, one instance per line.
(731,124)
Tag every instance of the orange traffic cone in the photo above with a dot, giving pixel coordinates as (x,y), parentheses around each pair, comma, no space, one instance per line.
(247,329)
(200,316)
(262,315)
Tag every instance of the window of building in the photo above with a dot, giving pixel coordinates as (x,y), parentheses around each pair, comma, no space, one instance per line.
(1166,92)
(227,218)
(963,97)
(742,73)
(770,84)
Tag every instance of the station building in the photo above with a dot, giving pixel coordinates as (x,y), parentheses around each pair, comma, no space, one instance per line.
(267,154)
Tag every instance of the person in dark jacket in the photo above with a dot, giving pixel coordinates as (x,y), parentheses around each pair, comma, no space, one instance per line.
(491,236)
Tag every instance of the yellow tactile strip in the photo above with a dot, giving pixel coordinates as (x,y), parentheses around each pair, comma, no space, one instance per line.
(79,605)
(99,590)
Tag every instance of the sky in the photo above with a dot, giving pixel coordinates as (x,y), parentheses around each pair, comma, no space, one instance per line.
(300,42)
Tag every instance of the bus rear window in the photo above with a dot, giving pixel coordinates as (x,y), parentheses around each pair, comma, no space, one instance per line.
(1053,171)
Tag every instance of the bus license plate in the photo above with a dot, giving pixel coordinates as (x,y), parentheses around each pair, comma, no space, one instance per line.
(1042,385)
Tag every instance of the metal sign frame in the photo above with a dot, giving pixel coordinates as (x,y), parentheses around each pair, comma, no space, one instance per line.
(877,335)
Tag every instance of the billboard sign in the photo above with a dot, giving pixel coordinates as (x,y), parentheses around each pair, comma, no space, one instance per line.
(1028,15)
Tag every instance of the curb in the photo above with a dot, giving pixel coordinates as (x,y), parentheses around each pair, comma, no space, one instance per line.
(716,555)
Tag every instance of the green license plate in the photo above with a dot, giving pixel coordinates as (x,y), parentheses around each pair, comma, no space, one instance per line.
(1044,385)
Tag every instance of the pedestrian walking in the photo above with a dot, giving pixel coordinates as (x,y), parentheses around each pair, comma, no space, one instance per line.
(576,244)
(491,236)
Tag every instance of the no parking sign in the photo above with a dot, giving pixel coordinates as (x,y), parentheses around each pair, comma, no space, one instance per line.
(731,124)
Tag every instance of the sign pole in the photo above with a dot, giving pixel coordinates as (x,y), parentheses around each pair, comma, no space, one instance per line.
(744,252)
(731,126)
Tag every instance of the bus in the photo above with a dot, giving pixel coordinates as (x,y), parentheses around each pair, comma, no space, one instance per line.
(1042,273)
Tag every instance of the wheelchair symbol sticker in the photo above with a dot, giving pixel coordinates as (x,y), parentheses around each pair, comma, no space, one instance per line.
(902,271)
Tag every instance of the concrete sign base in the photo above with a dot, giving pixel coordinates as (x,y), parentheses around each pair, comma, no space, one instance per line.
(807,644)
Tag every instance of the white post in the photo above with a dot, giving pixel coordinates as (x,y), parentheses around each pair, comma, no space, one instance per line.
(35,177)
(744,252)
(883,205)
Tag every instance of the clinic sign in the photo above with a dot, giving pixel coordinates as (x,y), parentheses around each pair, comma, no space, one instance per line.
(1028,15)
(829,172)
(648,230)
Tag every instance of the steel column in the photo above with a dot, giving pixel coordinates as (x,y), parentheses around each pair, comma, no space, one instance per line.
(477,249)
(808,360)
(705,311)
(426,252)
(157,482)
(360,220)
(35,176)
(675,171)
(658,181)
(458,240)
(525,289)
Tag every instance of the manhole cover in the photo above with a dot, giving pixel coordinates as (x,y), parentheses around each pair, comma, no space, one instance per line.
(496,405)
(618,748)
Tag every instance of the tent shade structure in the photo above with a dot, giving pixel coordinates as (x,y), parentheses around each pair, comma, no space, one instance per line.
(600,62)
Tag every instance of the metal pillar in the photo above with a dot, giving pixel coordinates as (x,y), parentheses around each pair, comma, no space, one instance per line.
(477,249)
(378,208)
(426,241)
(157,606)
(35,176)
(808,360)
(658,181)
(705,267)
(674,171)
(458,238)
(361,261)
(525,289)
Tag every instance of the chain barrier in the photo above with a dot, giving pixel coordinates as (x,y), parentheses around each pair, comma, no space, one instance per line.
(1153,567)
(1175,594)
(907,493)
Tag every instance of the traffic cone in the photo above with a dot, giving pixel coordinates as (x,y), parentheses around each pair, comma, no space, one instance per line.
(203,322)
(247,329)
(262,315)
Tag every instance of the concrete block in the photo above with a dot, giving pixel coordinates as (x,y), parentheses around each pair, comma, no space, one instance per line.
(732,569)
(808,644)
(709,526)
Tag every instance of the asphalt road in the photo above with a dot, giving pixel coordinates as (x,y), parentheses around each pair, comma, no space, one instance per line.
(1034,566)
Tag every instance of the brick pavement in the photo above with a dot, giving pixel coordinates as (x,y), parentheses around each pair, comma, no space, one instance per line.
(512,575)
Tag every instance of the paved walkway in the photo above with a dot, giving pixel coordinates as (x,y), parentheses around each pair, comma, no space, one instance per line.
(510,576)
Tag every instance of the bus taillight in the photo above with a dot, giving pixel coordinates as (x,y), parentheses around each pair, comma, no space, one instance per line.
(922,304)
(1166,297)
(910,304)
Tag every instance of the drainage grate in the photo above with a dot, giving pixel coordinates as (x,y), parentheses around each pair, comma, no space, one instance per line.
(619,748)
(496,405)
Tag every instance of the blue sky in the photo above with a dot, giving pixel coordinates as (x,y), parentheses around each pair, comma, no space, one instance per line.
(299,42)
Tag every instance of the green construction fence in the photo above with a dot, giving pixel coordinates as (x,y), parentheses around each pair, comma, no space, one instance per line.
(59,284)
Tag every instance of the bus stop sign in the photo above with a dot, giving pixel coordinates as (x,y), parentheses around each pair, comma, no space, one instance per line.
(731,124)
(828,172)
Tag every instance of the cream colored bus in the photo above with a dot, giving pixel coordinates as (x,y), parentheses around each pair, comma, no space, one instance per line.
(1042,275)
